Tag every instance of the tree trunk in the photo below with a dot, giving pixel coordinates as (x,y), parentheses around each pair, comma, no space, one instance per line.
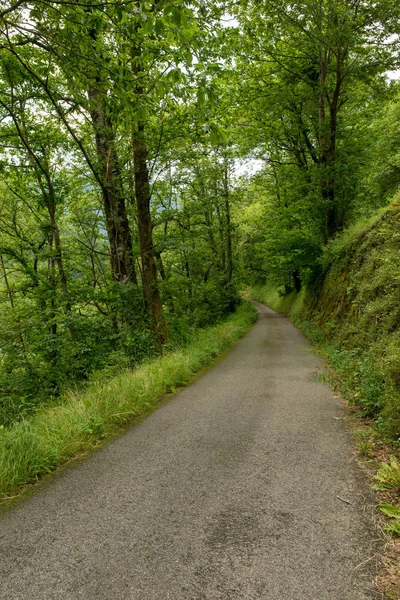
(323,68)
(328,130)
(8,288)
(52,315)
(229,261)
(296,280)
(57,243)
(143,195)
(221,236)
(119,234)
(333,217)
(160,265)
(149,271)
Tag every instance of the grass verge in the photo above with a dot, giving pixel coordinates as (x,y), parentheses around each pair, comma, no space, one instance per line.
(35,447)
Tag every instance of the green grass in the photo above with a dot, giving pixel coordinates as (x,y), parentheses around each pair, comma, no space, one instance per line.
(35,447)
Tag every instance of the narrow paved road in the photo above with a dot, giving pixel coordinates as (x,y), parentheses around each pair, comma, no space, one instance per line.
(230,490)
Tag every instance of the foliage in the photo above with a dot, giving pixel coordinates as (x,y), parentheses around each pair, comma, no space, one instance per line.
(115,210)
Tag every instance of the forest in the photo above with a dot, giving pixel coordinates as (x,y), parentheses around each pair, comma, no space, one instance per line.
(158,158)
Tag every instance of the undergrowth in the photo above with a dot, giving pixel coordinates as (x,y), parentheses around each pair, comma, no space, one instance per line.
(36,446)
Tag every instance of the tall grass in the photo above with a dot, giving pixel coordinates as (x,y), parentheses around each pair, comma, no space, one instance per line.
(32,448)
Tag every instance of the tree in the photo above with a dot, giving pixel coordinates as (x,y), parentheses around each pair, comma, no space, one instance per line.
(307,58)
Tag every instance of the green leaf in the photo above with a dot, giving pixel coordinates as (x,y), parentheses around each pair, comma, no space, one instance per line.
(388,475)
(390,511)
(201,95)
(393,513)
(173,14)
(189,58)
(35,14)
(214,138)
(148,25)
(119,12)
(218,135)
(159,90)
(203,10)
(175,75)
(184,19)
(160,26)
(211,94)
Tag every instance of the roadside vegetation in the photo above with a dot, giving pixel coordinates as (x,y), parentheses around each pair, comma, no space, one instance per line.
(351,310)
(33,447)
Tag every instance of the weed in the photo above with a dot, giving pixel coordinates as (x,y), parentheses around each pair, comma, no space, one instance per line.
(393,514)
(388,476)
(365,448)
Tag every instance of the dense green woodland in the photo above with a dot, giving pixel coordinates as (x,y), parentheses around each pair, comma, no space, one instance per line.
(158,157)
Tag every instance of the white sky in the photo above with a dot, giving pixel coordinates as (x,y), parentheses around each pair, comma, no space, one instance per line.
(393,75)
(248,166)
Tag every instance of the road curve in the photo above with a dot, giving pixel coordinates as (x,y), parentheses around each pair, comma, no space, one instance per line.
(244,486)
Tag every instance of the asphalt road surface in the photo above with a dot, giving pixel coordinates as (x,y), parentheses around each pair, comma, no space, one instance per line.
(244,485)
